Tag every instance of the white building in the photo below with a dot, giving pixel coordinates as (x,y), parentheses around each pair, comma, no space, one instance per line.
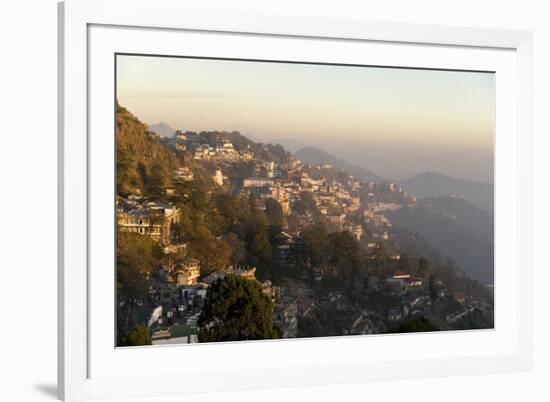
(153,220)
(258,182)
(183,173)
(186,272)
(218,177)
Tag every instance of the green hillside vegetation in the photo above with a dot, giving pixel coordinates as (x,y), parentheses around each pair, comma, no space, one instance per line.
(144,165)
(218,227)
(222,226)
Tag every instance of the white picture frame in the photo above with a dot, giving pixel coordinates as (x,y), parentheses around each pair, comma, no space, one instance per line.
(90,31)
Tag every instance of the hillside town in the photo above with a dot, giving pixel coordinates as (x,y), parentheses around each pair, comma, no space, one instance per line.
(310,293)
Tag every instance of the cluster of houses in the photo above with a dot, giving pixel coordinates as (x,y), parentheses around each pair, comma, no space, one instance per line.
(467,309)
(177,294)
(348,204)
(339,202)
(221,151)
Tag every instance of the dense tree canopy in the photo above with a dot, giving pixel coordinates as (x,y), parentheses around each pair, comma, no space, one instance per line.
(235,309)
(139,336)
(143,163)
(274,212)
(137,257)
(348,259)
(418,325)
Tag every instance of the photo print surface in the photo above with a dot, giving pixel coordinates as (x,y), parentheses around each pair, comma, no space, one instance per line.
(264,200)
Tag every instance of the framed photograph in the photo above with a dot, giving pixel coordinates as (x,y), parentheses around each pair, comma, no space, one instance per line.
(254,201)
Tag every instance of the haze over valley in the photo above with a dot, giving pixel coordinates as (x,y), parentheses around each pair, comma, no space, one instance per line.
(263,200)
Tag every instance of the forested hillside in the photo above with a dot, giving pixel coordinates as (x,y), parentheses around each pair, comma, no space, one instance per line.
(144,165)
(327,252)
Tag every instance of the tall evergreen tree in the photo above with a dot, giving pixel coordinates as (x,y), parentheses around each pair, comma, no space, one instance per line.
(235,309)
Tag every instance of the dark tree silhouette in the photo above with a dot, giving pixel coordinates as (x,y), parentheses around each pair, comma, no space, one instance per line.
(139,336)
(418,325)
(235,309)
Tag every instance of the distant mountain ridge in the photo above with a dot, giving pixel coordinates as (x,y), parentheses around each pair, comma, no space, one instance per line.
(457,228)
(431,184)
(315,155)
(288,143)
(162,129)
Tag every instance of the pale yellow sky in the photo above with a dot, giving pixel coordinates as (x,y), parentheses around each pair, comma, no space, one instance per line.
(407,115)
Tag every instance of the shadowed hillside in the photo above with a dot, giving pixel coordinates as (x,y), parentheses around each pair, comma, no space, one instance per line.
(430,184)
(457,228)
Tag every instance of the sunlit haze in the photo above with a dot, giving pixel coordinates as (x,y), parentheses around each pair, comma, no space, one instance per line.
(395,122)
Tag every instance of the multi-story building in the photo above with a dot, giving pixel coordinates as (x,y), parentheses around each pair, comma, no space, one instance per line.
(282,196)
(183,174)
(225,150)
(258,182)
(247,155)
(204,151)
(186,272)
(153,220)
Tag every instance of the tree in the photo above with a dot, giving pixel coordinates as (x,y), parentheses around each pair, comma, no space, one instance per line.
(405,263)
(137,256)
(253,230)
(432,288)
(260,250)
(123,170)
(156,180)
(139,336)
(227,207)
(378,265)
(237,246)
(423,266)
(346,256)
(315,247)
(418,325)
(273,212)
(213,253)
(235,309)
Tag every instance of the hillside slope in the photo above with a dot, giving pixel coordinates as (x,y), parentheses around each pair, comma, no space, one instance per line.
(317,156)
(457,228)
(430,184)
(143,163)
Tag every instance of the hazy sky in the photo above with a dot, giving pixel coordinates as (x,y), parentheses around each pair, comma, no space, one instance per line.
(396,122)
